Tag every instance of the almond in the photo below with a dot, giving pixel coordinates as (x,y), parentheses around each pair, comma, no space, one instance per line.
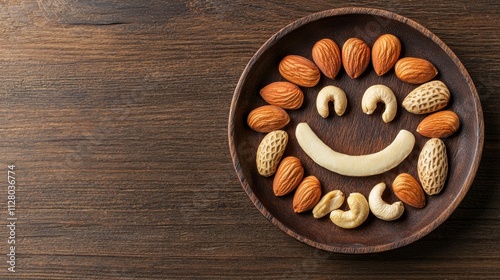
(408,190)
(355,57)
(288,176)
(427,98)
(283,94)
(385,53)
(270,151)
(307,194)
(267,118)
(415,70)
(299,70)
(326,55)
(433,166)
(439,125)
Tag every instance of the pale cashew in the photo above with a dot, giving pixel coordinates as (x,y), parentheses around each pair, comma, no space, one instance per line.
(328,203)
(382,209)
(334,94)
(357,214)
(380,93)
(362,165)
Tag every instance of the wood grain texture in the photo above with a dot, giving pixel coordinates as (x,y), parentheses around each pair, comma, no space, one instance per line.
(115,115)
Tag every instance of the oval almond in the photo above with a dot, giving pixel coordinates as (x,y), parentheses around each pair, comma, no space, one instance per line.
(439,125)
(283,94)
(409,190)
(267,118)
(299,70)
(326,55)
(355,57)
(415,70)
(307,194)
(288,176)
(385,53)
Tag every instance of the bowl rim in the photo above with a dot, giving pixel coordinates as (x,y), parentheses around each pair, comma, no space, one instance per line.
(365,248)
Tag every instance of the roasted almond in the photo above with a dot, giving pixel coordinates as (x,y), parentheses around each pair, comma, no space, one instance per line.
(427,98)
(355,57)
(283,94)
(415,70)
(385,53)
(299,70)
(270,151)
(409,190)
(307,194)
(432,166)
(439,125)
(267,118)
(326,55)
(288,176)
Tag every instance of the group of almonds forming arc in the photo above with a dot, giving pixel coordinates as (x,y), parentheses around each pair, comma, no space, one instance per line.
(430,97)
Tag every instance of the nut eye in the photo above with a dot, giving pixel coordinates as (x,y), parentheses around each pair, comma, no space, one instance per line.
(331,94)
(376,94)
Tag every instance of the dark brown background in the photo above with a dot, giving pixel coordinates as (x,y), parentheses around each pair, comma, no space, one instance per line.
(115,115)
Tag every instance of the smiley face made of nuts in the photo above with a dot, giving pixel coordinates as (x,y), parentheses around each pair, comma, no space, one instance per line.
(430,97)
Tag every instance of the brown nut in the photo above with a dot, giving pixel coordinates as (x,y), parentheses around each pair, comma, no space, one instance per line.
(288,176)
(408,190)
(307,194)
(326,55)
(299,70)
(439,125)
(267,118)
(385,53)
(355,57)
(415,70)
(283,94)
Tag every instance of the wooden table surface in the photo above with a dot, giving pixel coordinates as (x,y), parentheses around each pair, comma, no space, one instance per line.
(115,116)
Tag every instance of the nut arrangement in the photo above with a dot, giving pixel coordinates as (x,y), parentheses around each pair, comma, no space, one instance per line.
(290,177)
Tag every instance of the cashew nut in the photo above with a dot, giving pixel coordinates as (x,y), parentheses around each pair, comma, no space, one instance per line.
(328,203)
(334,94)
(382,209)
(357,214)
(380,93)
(359,165)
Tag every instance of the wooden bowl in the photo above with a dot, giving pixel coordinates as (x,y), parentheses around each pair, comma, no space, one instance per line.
(356,132)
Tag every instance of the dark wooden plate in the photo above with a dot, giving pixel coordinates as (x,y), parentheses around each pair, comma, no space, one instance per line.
(355,132)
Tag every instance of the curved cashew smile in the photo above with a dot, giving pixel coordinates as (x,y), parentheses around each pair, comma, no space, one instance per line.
(349,165)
